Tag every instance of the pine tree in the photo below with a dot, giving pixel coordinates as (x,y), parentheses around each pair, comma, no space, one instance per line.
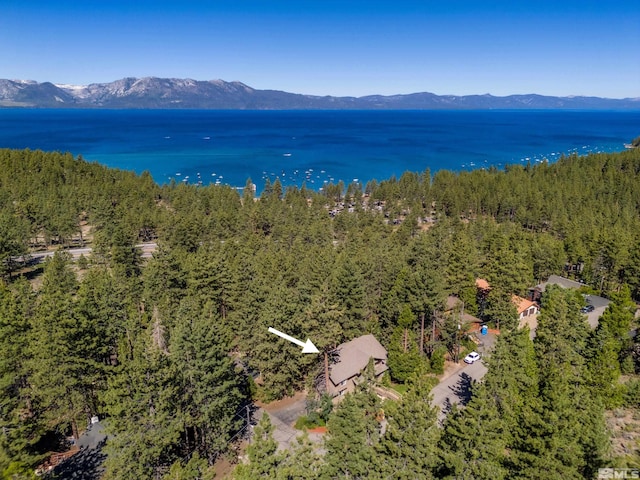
(124,254)
(509,266)
(404,357)
(617,319)
(500,310)
(60,375)
(102,308)
(349,292)
(211,278)
(323,322)
(461,265)
(13,235)
(302,462)
(164,279)
(473,443)
(195,469)
(609,345)
(409,445)
(632,271)
(568,424)
(427,284)
(263,459)
(210,391)
(20,427)
(282,367)
(353,436)
(144,422)
(513,378)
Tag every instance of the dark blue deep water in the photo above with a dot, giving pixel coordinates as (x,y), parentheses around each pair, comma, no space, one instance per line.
(313,146)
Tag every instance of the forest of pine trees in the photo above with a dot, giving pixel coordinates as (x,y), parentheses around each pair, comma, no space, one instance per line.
(161,348)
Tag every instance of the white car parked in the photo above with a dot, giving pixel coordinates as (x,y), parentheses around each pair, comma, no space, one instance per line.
(472,357)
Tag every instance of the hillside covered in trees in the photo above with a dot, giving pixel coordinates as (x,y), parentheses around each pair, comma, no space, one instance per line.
(163,348)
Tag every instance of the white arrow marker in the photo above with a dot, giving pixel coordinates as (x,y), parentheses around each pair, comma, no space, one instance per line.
(307,347)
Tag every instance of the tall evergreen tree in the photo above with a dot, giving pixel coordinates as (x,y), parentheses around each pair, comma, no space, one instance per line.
(13,240)
(353,436)
(610,345)
(570,434)
(164,279)
(60,376)
(195,469)
(210,393)
(404,356)
(513,379)
(409,445)
(303,461)
(20,427)
(263,459)
(145,422)
(473,443)
(349,291)
(501,310)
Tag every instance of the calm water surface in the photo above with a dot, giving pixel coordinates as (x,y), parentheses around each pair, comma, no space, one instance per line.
(314,147)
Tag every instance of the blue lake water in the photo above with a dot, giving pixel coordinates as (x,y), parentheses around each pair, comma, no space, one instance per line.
(313,146)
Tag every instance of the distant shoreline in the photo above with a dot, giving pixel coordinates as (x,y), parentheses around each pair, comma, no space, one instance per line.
(176,93)
(4,106)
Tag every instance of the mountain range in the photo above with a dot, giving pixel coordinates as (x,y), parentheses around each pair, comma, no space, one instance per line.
(173,93)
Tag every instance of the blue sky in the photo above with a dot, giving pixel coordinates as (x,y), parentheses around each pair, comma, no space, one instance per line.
(348,47)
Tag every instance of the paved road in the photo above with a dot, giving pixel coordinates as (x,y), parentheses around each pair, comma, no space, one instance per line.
(454,389)
(600,305)
(593,318)
(457,387)
(283,433)
(146,248)
(283,417)
(290,413)
(87,464)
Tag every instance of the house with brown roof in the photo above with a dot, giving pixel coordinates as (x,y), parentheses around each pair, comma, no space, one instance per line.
(536,292)
(525,308)
(353,357)
(454,304)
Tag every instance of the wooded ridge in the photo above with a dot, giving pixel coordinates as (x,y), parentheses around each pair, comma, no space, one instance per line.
(164,348)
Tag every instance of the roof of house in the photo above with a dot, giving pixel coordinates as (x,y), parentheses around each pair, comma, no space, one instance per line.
(560,281)
(452,302)
(468,318)
(522,304)
(354,356)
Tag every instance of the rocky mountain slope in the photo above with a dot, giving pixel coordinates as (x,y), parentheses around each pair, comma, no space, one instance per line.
(152,92)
